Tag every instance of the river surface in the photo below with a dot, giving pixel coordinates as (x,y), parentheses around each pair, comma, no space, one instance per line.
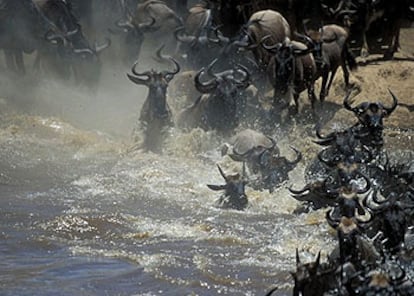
(83,214)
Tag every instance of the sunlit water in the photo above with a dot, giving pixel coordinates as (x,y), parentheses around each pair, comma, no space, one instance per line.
(81,214)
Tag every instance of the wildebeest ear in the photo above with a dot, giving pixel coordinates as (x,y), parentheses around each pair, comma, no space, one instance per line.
(216,187)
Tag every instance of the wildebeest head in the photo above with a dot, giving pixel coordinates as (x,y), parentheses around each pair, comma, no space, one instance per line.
(371,115)
(134,35)
(226,84)
(311,278)
(226,100)
(234,191)
(157,82)
(275,169)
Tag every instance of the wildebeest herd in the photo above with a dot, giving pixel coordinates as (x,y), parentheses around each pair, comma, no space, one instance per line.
(245,64)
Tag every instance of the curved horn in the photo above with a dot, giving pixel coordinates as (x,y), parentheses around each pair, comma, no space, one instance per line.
(83,50)
(221,39)
(334,223)
(305,38)
(125,25)
(210,68)
(168,74)
(273,47)
(182,36)
(54,36)
(206,87)
(298,156)
(368,183)
(347,103)
(245,79)
(134,71)
(394,103)
(222,173)
(327,162)
(147,26)
(326,140)
(99,48)
(138,80)
(273,142)
(301,191)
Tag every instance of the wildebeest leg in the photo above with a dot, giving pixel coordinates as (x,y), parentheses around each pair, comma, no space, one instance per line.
(311,94)
(294,109)
(333,72)
(364,48)
(345,71)
(9,56)
(395,43)
(20,68)
(322,94)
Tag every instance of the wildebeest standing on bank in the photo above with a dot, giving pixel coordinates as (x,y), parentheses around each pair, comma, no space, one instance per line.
(155,113)
(22,30)
(331,51)
(291,70)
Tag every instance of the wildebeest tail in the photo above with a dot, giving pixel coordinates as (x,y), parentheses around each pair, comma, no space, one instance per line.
(350,58)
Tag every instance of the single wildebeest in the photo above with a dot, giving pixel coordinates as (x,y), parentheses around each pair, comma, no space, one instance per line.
(291,70)
(331,51)
(155,113)
(195,46)
(370,120)
(222,106)
(234,196)
(261,24)
(262,156)
(151,16)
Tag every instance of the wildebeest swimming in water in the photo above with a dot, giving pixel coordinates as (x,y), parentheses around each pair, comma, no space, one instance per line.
(234,196)
(262,157)
(221,108)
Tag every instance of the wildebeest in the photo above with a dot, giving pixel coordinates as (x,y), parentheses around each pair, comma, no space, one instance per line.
(22,30)
(262,157)
(195,46)
(155,113)
(291,70)
(72,54)
(221,108)
(150,16)
(234,196)
(265,23)
(330,52)
(370,120)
